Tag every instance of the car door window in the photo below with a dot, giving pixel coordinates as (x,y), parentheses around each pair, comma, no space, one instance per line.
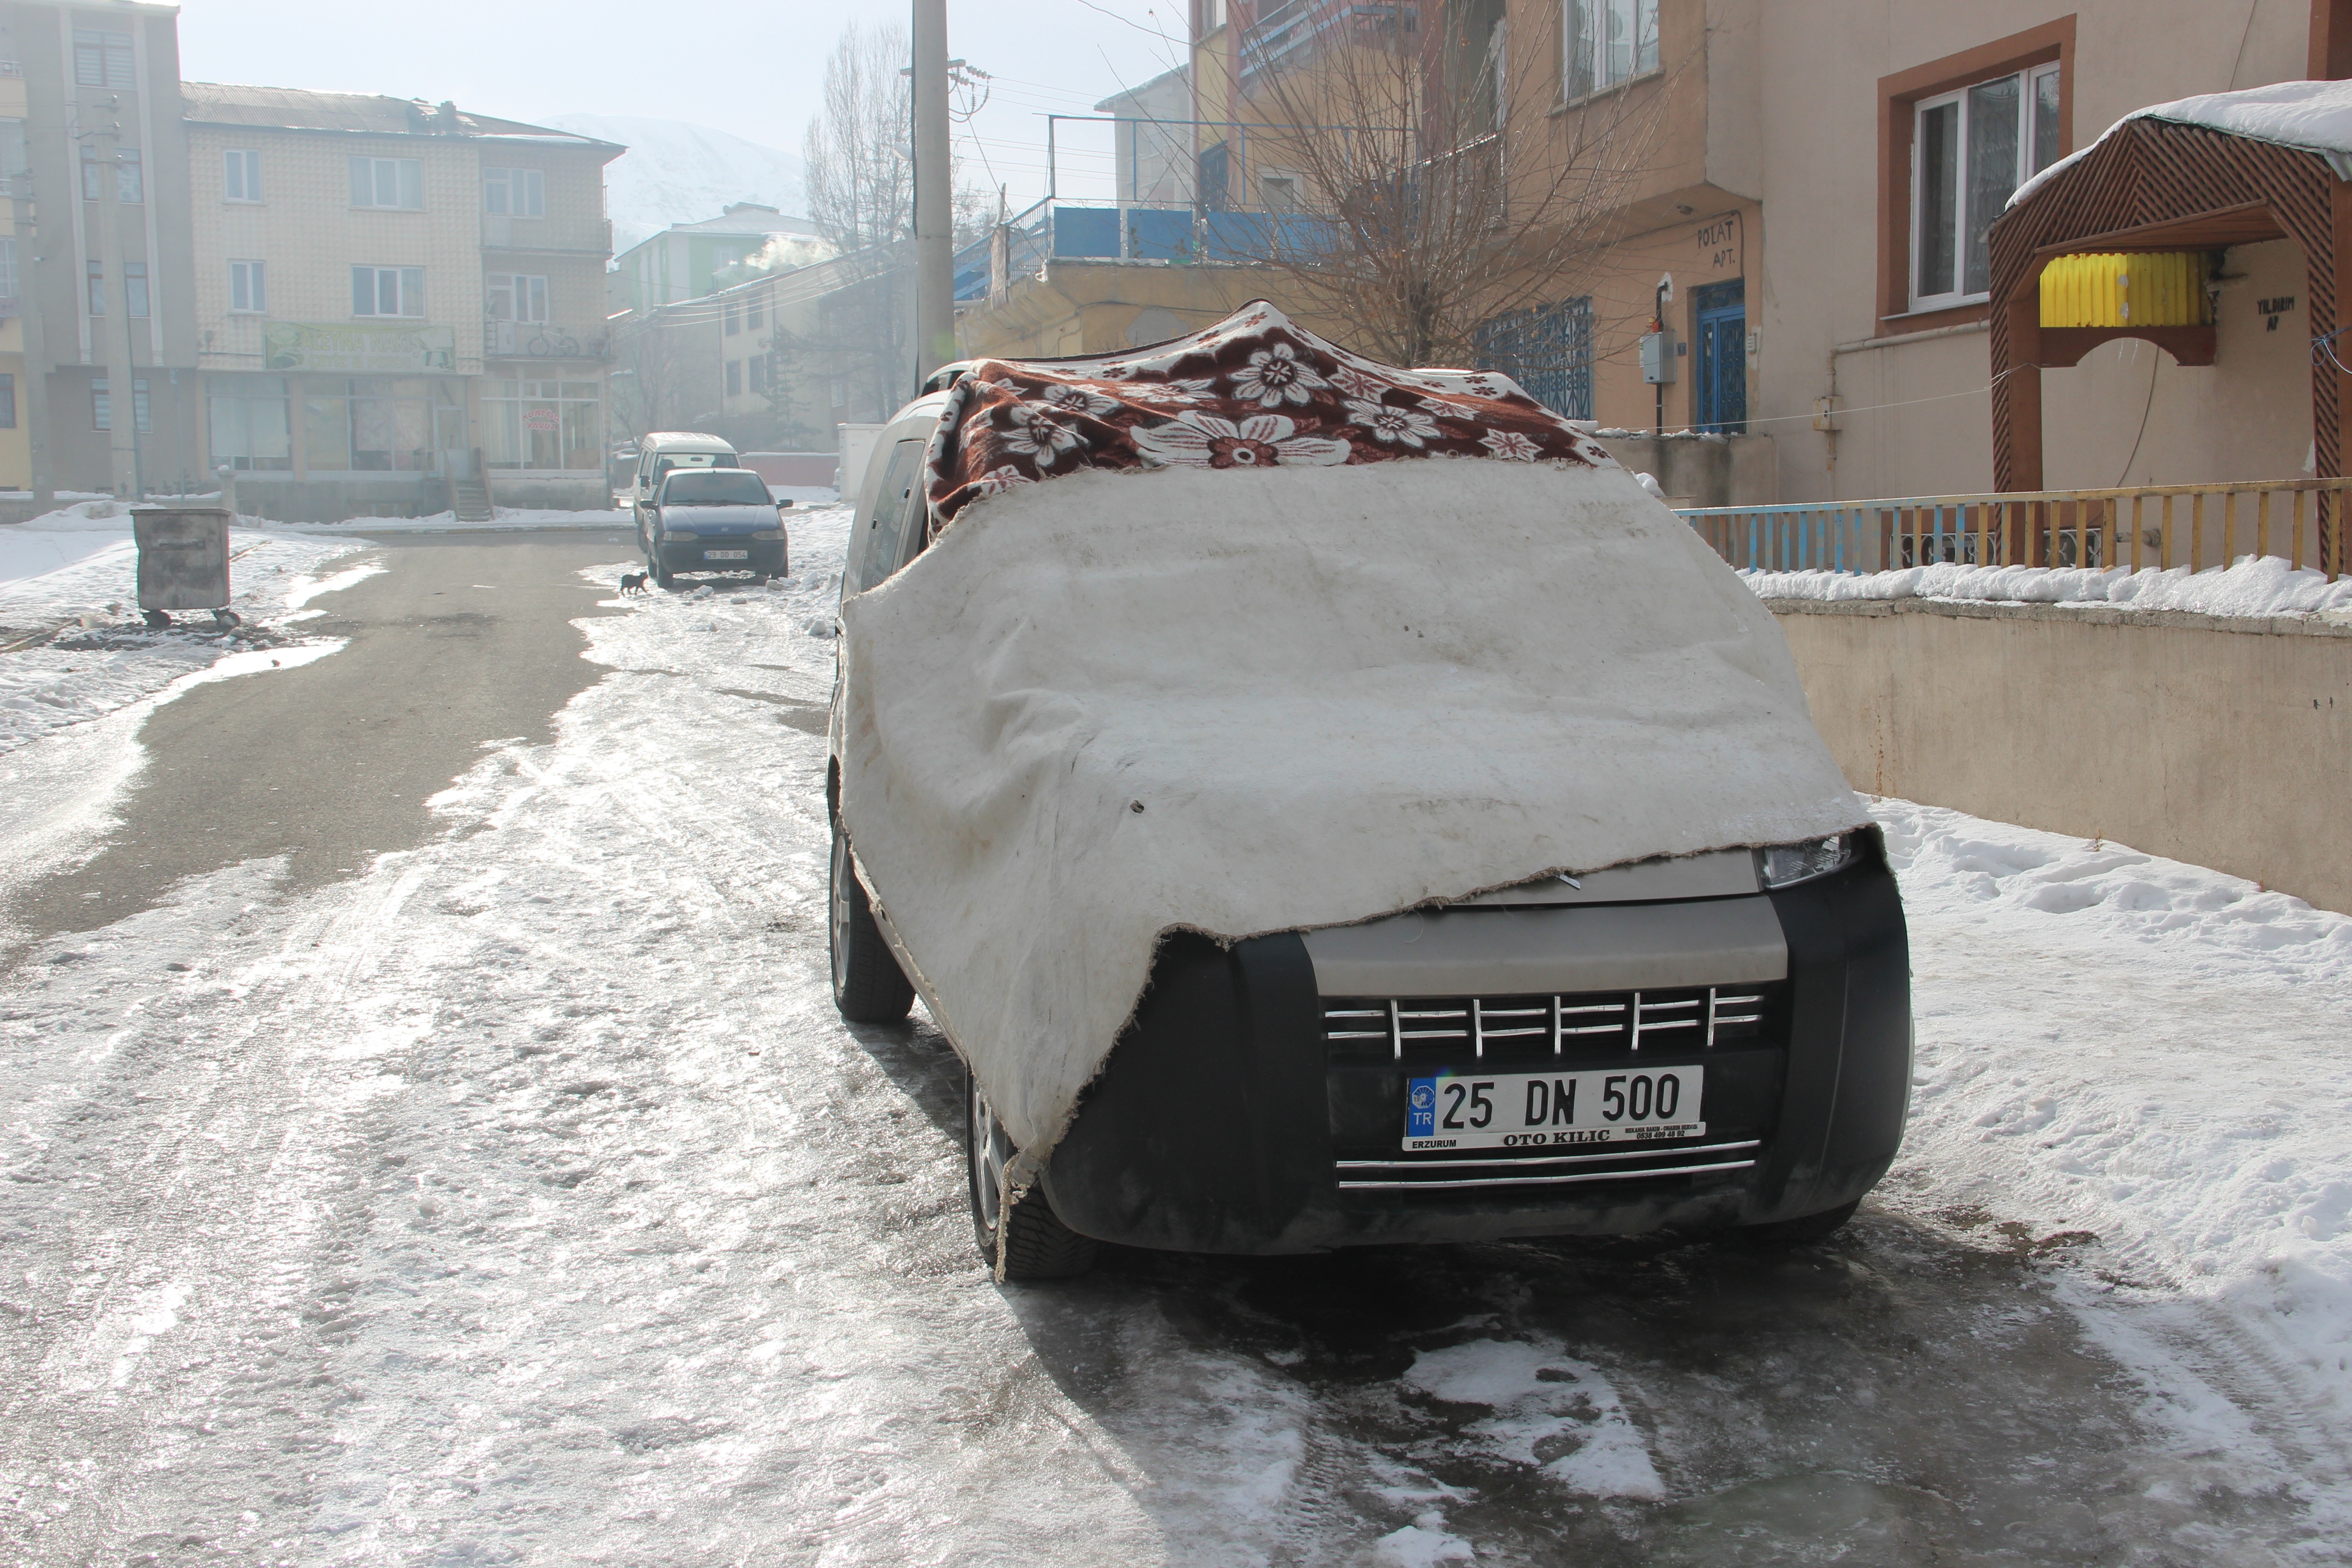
(878,543)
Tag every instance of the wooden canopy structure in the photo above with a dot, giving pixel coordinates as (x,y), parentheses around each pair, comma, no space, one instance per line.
(2156,185)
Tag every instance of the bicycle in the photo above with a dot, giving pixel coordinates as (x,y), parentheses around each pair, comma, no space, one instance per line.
(552,344)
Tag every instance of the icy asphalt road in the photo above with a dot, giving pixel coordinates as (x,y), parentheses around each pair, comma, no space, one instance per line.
(519,1198)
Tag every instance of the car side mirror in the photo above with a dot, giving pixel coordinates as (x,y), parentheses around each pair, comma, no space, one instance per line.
(784,505)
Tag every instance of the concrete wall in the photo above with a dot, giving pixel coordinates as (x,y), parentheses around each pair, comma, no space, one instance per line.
(2227,744)
(1703,470)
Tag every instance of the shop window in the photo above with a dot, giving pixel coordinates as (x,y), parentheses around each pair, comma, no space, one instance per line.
(248,428)
(554,425)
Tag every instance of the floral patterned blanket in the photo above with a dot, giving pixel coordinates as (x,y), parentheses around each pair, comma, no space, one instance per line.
(1256,390)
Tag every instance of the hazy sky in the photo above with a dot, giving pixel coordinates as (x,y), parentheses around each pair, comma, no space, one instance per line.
(752,66)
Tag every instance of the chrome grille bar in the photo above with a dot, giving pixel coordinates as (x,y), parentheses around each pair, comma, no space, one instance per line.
(1523,1161)
(1551,1181)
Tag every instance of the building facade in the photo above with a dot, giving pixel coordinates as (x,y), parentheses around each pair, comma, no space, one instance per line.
(689,260)
(101,250)
(394,299)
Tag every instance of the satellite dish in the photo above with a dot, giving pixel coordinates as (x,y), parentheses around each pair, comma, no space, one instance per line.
(1666,289)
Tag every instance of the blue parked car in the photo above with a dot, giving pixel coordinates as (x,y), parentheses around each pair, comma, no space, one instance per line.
(714,520)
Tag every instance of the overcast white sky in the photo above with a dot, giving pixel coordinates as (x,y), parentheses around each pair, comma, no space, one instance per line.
(750,66)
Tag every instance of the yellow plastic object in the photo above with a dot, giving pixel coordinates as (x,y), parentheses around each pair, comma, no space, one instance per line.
(2137,289)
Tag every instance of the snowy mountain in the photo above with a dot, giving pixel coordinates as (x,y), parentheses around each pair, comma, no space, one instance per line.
(676,172)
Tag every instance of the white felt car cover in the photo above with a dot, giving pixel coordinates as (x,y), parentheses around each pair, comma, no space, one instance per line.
(1291,689)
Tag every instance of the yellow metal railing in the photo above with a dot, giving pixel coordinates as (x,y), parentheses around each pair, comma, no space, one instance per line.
(2160,526)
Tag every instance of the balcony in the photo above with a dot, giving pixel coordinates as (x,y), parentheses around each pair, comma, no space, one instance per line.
(539,340)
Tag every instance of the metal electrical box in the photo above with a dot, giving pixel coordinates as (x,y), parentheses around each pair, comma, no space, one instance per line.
(183,557)
(1658,357)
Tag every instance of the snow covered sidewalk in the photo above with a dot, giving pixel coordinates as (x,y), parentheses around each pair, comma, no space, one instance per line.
(2253,586)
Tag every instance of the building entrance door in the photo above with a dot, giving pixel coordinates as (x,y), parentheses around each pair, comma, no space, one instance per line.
(453,454)
(1721,312)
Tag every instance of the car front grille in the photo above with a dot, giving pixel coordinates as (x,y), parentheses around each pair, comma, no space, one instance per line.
(1374,1044)
(1458,1029)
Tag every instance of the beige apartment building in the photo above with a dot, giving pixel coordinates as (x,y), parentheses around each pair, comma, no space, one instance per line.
(396,302)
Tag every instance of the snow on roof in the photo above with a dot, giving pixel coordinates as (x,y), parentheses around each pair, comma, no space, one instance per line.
(2308,116)
(359,114)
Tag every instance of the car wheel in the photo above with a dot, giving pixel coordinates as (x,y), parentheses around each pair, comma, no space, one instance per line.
(869,986)
(662,578)
(1799,1231)
(1038,1245)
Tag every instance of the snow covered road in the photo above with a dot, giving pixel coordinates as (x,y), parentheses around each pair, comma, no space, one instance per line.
(521,1199)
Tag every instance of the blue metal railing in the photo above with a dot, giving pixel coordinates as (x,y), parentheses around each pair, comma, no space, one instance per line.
(1090,231)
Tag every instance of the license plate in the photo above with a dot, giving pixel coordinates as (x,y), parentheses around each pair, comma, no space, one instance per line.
(726,555)
(1529,1110)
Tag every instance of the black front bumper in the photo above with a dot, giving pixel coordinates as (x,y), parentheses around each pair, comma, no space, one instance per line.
(766,555)
(1225,1122)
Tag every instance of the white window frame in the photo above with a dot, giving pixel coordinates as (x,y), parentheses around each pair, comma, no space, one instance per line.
(518,297)
(137,298)
(241,175)
(248,280)
(1586,32)
(514,193)
(407,293)
(402,179)
(2029,124)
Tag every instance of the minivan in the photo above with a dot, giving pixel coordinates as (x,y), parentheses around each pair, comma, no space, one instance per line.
(660,452)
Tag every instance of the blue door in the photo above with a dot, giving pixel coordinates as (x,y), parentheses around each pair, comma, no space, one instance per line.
(1721,350)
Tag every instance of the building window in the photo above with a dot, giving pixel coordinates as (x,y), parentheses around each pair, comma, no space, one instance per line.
(8,266)
(93,174)
(518,297)
(130,177)
(514,193)
(1970,149)
(758,374)
(134,285)
(542,424)
(103,60)
(396,183)
(241,175)
(1607,42)
(249,288)
(96,275)
(13,160)
(248,425)
(102,406)
(734,318)
(387,290)
(1548,350)
(8,401)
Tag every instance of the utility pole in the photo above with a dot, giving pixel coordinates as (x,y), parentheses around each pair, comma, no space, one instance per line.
(114,330)
(935,342)
(33,397)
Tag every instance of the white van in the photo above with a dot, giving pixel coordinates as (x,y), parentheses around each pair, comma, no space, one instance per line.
(663,450)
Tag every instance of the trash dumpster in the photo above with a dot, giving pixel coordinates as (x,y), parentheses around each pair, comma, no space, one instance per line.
(182,561)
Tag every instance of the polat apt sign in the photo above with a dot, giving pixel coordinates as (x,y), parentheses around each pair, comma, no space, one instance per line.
(359,348)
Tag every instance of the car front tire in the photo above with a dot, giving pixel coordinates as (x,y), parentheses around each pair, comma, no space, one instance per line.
(869,986)
(1036,1244)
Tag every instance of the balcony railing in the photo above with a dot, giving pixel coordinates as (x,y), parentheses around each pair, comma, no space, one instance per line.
(538,339)
(2148,526)
(1083,231)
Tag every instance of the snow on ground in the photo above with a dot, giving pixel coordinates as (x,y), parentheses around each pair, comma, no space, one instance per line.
(2142,1063)
(2252,586)
(507,519)
(72,646)
(523,1200)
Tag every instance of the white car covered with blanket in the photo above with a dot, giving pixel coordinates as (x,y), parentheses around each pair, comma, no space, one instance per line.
(1325,804)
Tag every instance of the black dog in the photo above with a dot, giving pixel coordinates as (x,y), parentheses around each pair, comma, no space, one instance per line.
(632,582)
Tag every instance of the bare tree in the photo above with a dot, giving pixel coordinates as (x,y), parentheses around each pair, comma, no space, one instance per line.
(1419,184)
(861,197)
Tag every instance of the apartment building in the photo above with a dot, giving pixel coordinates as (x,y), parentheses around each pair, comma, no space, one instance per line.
(689,260)
(395,299)
(98,252)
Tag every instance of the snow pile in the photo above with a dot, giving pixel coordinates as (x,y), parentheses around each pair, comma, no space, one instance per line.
(1550,1411)
(2164,1087)
(2253,585)
(1110,706)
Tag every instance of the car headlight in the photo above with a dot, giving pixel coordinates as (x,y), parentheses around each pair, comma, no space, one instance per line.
(1783,864)
(679,533)
(769,533)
